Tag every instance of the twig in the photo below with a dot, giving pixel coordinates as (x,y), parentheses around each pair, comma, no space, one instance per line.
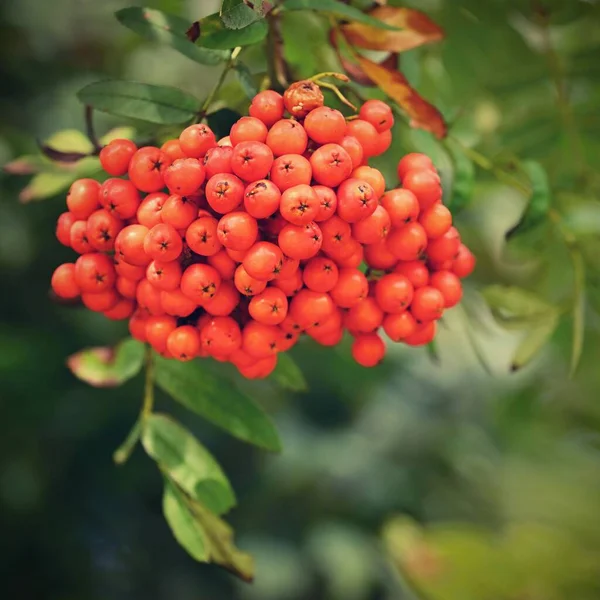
(149,384)
(89,125)
(123,452)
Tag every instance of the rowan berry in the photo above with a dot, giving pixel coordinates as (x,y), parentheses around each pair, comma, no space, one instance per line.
(223,263)
(221,336)
(351,287)
(425,185)
(120,197)
(364,317)
(402,206)
(63,228)
(102,228)
(327,202)
(291,284)
(201,236)
(100,301)
(63,281)
(290,170)
(126,287)
(251,161)
(366,134)
(147,168)
(116,156)
(378,113)
(224,301)
(372,176)
(309,308)
(200,282)
(300,241)
(224,192)
(374,228)
(352,146)
(272,226)
(172,148)
(320,274)
(260,369)
(415,271)
(267,106)
(125,269)
(464,262)
(163,243)
(263,261)
(449,285)
(236,255)
(79,239)
(247,285)
(299,204)
(137,324)
(164,275)
(331,338)
(352,260)
(427,304)
(368,349)
(445,247)
(158,329)
(414,162)
(335,234)
(261,198)
(260,340)
(287,137)
(176,303)
(378,255)
(332,323)
(123,309)
(83,198)
(301,97)
(248,129)
(184,176)
(269,307)
(325,125)
(436,220)
(184,343)
(237,231)
(424,334)
(149,212)
(149,297)
(217,160)
(179,211)
(399,325)
(94,272)
(383,143)
(197,140)
(394,293)
(408,242)
(287,341)
(331,165)
(356,200)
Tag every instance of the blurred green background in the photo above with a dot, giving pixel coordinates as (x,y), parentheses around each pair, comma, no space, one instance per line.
(503,469)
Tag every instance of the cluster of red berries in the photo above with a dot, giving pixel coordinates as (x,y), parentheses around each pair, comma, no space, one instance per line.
(281,228)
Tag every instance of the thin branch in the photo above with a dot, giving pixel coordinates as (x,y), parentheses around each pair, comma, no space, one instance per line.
(149,384)
(89,125)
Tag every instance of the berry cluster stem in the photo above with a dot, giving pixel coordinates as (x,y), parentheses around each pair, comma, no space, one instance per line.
(149,384)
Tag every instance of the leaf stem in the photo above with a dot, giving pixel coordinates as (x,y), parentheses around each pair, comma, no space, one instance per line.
(211,96)
(123,452)
(149,385)
(89,125)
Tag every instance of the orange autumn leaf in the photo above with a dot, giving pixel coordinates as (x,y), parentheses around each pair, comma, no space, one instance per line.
(422,114)
(415,29)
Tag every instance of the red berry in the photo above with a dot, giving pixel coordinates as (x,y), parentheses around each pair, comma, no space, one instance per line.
(415,271)
(364,317)
(224,301)
(300,241)
(352,146)
(179,211)
(149,212)
(63,228)
(116,156)
(221,336)
(424,334)
(263,261)
(330,164)
(399,326)
(224,192)
(126,287)
(200,282)
(251,161)
(184,343)
(445,247)
(269,307)
(427,304)
(309,308)
(351,287)
(464,262)
(261,198)
(394,292)
(100,301)
(402,206)
(287,137)
(83,198)
(290,170)
(368,349)
(366,134)
(147,168)
(301,97)
(327,202)
(217,160)
(408,242)
(177,304)
(449,285)
(102,229)
(172,148)
(436,221)
(95,272)
(413,162)
(163,243)
(374,228)
(299,205)
(325,125)
(184,176)
(158,329)
(336,234)
(267,106)
(247,285)
(260,340)
(378,255)
(356,200)
(164,275)
(237,231)
(120,197)
(123,309)
(197,140)
(201,236)
(425,185)
(248,129)
(320,274)
(378,113)
(63,281)
(149,297)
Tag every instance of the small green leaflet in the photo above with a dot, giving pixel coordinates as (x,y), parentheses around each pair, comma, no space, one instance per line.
(463,177)
(203,534)
(158,26)
(46,185)
(539,201)
(214,34)
(288,375)
(339,9)
(152,103)
(187,462)
(196,387)
(108,367)
(533,342)
(235,14)
(578,310)
(246,80)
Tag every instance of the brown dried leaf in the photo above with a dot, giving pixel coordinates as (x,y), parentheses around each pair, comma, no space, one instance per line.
(416,29)
(423,115)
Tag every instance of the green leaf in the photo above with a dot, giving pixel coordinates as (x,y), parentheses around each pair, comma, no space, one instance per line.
(45,185)
(288,374)
(118,133)
(539,201)
(28,165)
(339,9)
(158,26)
(205,536)
(217,400)
(463,181)
(533,342)
(578,310)
(153,103)
(246,80)
(186,529)
(187,462)
(108,367)
(69,140)
(214,34)
(235,14)
(514,305)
